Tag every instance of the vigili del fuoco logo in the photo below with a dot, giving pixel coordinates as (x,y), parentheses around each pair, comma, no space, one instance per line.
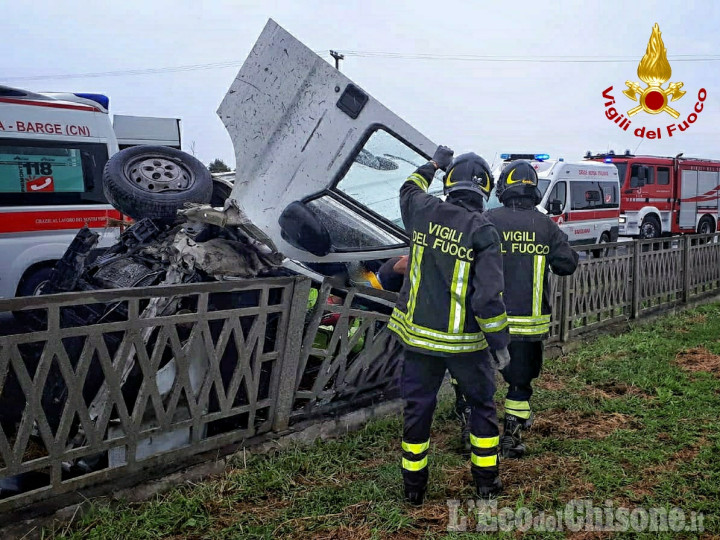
(654,98)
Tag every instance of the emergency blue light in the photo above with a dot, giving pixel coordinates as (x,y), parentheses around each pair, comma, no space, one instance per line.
(608,160)
(504,156)
(541,157)
(97,98)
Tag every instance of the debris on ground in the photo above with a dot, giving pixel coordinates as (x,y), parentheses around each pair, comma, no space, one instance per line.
(563,424)
(699,359)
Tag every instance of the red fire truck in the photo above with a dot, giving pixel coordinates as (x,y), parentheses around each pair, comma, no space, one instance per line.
(665,195)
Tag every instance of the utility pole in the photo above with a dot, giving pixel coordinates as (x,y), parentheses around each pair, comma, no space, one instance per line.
(337,56)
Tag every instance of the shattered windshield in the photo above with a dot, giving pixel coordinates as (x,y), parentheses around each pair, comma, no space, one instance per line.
(379,169)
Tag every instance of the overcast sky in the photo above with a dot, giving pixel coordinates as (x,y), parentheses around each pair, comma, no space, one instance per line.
(488,107)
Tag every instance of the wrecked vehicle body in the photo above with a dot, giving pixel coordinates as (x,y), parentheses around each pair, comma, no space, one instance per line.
(319,167)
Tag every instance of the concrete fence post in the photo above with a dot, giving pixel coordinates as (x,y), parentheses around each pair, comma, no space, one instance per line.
(291,354)
(637,252)
(565,316)
(686,269)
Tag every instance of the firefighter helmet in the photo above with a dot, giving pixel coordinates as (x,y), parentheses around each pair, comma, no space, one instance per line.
(470,172)
(518,179)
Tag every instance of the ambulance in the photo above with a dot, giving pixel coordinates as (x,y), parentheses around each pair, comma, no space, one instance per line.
(53,147)
(583,198)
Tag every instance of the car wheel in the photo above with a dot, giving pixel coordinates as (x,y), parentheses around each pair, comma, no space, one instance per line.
(604,239)
(706,225)
(31,285)
(155,182)
(650,228)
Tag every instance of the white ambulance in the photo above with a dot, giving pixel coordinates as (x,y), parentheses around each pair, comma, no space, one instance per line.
(583,197)
(53,147)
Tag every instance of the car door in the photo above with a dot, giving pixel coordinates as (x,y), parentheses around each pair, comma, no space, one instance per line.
(319,161)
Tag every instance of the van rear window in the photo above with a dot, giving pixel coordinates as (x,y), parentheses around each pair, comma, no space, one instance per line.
(47,173)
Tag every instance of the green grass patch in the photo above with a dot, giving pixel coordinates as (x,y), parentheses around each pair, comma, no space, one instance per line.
(623,418)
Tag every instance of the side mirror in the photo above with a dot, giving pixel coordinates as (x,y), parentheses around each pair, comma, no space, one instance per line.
(555,207)
(642,176)
(302,229)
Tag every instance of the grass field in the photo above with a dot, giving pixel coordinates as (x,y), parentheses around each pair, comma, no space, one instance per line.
(633,419)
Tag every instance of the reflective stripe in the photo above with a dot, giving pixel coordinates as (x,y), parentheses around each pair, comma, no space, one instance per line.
(521,409)
(528,320)
(419,181)
(518,405)
(531,330)
(484,442)
(484,461)
(538,275)
(415,341)
(493,325)
(458,290)
(374,281)
(415,448)
(414,465)
(500,318)
(435,335)
(417,253)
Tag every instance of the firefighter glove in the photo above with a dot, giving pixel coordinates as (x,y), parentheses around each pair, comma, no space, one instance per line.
(501,358)
(442,157)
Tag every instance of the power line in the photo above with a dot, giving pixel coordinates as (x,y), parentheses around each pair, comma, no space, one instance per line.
(373,54)
(130,72)
(528,59)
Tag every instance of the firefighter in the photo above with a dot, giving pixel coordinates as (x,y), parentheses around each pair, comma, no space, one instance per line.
(531,243)
(449,311)
(392,273)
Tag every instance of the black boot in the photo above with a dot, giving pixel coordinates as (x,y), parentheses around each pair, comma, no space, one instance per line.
(414,496)
(511,442)
(488,484)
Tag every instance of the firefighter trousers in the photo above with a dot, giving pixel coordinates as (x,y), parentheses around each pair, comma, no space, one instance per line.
(526,358)
(422,377)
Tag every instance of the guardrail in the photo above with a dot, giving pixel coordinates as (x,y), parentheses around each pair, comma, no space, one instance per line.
(169,373)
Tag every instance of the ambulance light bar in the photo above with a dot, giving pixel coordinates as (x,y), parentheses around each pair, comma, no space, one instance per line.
(97,98)
(536,157)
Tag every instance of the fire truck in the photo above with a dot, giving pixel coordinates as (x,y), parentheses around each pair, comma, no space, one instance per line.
(53,148)
(663,196)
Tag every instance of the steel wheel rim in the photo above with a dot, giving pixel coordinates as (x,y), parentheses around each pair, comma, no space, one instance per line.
(155,174)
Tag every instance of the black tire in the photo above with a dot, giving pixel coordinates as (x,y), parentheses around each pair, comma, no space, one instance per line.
(155,182)
(604,239)
(650,228)
(706,225)
(30,285)
(33,279)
